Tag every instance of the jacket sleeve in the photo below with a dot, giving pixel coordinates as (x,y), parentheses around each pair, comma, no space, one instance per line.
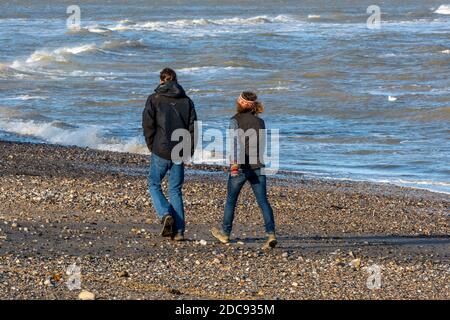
(235,142)
(149,123)
(192,127)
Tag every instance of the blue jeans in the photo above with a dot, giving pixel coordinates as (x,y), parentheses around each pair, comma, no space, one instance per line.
(258,184)
(159,167)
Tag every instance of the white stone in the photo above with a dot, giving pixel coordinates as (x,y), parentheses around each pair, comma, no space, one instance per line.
(86,295)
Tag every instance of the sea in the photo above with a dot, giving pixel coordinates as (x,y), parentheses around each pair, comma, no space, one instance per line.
(356,93)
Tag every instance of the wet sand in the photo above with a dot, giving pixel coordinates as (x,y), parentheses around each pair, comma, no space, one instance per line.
(61,205)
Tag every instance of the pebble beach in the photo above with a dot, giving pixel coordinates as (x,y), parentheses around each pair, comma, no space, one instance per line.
(61,206)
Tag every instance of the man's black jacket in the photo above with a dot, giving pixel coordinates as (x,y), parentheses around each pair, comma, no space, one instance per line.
(167,110)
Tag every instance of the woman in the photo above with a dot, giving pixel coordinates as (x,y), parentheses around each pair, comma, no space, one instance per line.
(246,125)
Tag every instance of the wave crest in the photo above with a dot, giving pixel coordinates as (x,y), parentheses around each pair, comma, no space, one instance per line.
(44,57)
(443,9)
(183,23)
(59,55)
(91,29)
(57,132)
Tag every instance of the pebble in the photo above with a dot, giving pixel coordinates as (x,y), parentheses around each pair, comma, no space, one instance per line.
(356,264)
(302,212)
(86,295)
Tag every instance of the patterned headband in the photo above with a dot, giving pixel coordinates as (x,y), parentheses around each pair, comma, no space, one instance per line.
(247,104)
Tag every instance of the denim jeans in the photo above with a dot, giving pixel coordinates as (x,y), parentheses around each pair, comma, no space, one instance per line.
(159,167)
(258,184)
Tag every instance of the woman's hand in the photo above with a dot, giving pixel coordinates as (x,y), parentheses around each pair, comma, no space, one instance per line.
(234,170)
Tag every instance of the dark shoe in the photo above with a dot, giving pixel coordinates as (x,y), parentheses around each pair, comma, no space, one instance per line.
(179,236)
(220,235)
(271,242)
(167,222)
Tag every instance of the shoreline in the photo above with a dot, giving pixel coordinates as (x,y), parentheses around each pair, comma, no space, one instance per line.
(205,167)
(60,205)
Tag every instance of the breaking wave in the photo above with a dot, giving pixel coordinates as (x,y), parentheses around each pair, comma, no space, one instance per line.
(27,97)
(60,133)
(90,29)
(59,55)
(63,55)
(183,23)
(443,9)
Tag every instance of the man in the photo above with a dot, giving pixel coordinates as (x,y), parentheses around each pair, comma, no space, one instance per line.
(167,110)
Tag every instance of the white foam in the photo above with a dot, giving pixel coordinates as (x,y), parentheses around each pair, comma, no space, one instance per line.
(443,9)
(433,186)
(183,23)
(55,133)
(253,20)
(97,29)
(51,132)
(82,73)
(388,55)
(424,182)
(28,97)
(60,53)
(90,29)
(126,21)
(76,50)
(131,146)
(120,27)
(207,69)
(104,78)
(446,51)
(40,59)
(279,88)
(43,56)
(313,16)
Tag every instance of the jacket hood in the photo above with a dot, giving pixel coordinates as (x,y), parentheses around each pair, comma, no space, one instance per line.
(171,89)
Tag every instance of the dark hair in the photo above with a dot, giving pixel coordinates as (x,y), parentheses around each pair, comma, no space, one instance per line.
(257,107)
(168,74)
